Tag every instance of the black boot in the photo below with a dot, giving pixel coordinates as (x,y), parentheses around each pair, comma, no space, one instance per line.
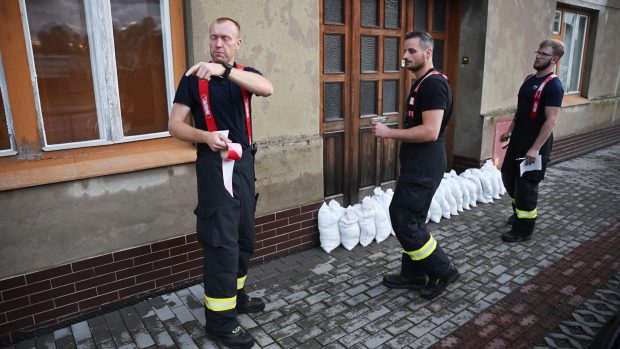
(511,219)
(437,286)
(397,281)
(247,304)
(521,230)
(236,339)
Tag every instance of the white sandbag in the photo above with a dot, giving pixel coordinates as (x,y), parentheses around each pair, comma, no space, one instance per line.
(479,191)
(461,183)
(368,230)
(456,190)
(329,232)
(497,175)
(387,198)
(471,188)
(382,221)
(383,202)
(434,212)
(488,168)
(451,200)
(349,228)
(440,196)
(487,186)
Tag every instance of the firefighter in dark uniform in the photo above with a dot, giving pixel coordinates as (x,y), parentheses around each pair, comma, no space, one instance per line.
(424,267)
(225,223)
(530,135)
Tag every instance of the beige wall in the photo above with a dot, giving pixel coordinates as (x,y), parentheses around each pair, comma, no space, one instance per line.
(281,39)
(513,31)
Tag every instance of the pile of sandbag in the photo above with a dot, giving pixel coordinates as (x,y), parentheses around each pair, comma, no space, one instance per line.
(462,192)
(369,220)
(360,224)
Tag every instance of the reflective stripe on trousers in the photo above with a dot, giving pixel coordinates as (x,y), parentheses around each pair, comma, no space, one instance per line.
(220,304)
(425,251)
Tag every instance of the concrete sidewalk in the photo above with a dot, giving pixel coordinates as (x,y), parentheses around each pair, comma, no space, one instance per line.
(554,291)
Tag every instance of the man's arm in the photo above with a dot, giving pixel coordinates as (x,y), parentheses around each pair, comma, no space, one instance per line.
(551,114)
(506,135)
(180,130)
(255,83)
(427,132)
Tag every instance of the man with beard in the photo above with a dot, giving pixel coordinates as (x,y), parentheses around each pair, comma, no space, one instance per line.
(424,266)
(530,135)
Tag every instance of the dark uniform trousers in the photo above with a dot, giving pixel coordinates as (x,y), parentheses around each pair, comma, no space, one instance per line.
(422,254)
(226,233)
(523,190)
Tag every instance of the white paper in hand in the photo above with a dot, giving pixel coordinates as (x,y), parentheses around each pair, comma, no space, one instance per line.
(536,165)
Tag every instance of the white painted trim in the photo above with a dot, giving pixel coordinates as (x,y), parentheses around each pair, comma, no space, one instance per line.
(7,112)
(74,145)
(144,137)
(33,71)
(166,31)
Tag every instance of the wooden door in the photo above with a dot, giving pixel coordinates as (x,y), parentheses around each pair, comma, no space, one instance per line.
(362,77)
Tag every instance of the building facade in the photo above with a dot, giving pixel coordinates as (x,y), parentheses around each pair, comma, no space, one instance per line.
(96,199)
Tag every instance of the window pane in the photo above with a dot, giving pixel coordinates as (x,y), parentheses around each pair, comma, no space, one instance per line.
(392,14)
(332,101)
(390,96)
(438,54)
(5,141)
(369,13)
(369,54)
(64,76)
(140,66)
(390,54)
(368,100)
(333,54)
(419,19)
(574,36)
(557,22)
(333,11)
(439,16)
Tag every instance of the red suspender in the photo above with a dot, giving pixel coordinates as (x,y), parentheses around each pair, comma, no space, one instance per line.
(538,94)
(203,87)
(415,91)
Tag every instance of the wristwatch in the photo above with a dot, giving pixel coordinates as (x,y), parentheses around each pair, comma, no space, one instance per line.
(227,69)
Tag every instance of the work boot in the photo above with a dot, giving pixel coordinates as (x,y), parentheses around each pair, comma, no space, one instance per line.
(236,339)
(397,281)
(515,237)
(511,219)
(247,304)
(437,286)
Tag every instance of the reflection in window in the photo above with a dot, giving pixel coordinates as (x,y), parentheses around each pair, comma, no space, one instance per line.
(6,144)
(140,66)
(574,39)
(61,53)
(390,96)
(369,54)
(368,98)
(419,18)
(333,53)
(439,15)
(333,11)
(332,101)
(369,13)
(390,54)
(392,14)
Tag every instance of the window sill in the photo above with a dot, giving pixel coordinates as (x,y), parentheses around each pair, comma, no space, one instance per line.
(74,164)
(573,100)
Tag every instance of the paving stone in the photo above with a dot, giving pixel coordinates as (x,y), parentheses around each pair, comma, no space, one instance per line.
(80,331)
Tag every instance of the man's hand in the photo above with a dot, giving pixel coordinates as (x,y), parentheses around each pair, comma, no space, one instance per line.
(531,155)
(205,71)
(505,136)
(380,130)
(216,141)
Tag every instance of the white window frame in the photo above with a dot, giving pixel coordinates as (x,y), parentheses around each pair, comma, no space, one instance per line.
(571,59)
(105,80)
(7,112)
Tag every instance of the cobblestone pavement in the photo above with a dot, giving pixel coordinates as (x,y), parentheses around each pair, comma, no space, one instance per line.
(554,291)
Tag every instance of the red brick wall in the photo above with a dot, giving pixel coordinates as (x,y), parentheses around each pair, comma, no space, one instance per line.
(52,296)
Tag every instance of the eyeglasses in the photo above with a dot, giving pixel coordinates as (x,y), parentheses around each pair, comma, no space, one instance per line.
(544,54)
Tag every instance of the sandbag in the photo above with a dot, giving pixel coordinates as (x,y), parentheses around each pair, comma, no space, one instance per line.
(461,183)
(434,212)
(349,228)
(440,197)
(449,197)
(473,189)
(329,232)
(382,222)
(366,223)
(456,191)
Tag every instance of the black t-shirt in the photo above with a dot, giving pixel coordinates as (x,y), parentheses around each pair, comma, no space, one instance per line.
(426,159)
(226,105)
(527,129)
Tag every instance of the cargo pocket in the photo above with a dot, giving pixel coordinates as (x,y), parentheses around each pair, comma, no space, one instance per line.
(414,194)
(207,227)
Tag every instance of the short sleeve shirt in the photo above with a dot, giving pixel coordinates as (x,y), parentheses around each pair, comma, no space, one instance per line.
(226,103)
(526,128)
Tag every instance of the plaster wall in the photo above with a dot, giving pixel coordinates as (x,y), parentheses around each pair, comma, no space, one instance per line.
(281,39)
(50,225)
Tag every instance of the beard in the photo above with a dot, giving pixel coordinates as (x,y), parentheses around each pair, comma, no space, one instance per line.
(413,67)
(542,66)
